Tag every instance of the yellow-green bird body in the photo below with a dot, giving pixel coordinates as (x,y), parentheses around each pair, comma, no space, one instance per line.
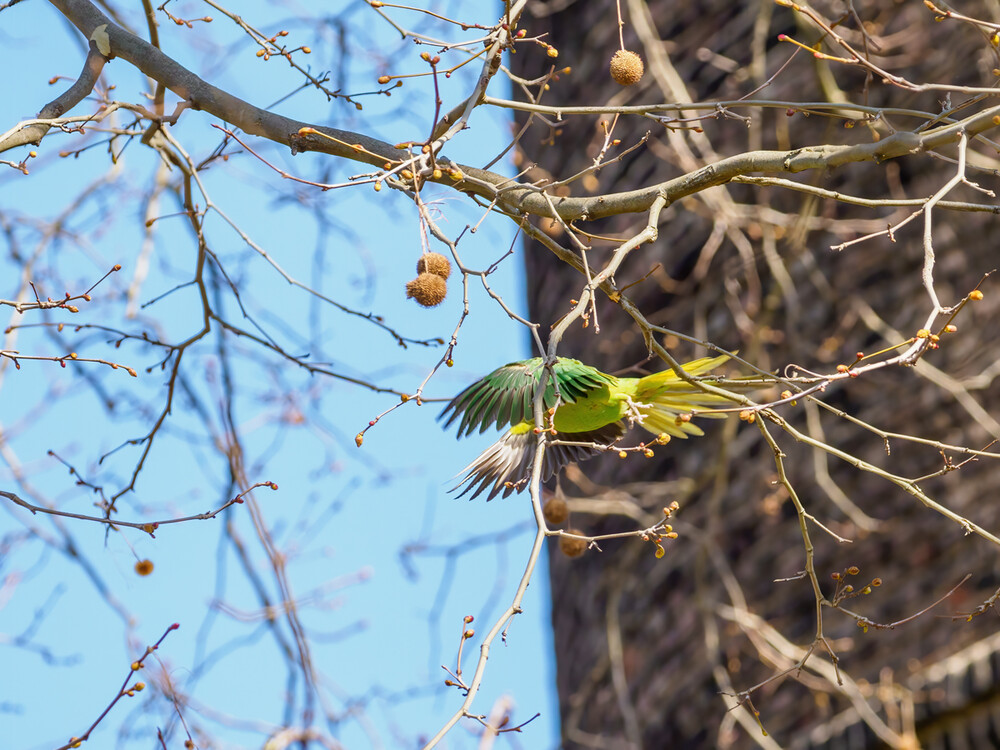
(591,407)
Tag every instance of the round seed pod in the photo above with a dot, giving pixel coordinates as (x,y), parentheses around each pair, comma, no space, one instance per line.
(144,567)
(428,289)
(626,67)
(572,547)
(555,510)
(434,263)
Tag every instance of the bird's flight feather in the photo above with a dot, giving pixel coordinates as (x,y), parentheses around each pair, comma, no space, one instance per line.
(504,397)
(507,463)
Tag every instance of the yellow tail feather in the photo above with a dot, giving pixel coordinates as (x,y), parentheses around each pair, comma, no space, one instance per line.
(665,397)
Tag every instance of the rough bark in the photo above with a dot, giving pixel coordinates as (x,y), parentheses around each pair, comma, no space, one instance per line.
(783,298)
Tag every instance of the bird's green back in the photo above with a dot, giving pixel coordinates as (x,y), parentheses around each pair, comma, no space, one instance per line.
(504,397)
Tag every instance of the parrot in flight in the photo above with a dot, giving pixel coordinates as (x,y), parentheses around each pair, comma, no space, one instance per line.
(592,407)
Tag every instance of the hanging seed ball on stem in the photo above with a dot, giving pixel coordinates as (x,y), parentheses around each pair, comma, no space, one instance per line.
(428,289)
(555,510)
(572,547)
(434,263)
(626,67)
(144,567)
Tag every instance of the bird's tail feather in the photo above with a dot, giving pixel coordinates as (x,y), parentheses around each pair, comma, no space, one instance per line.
(666,401)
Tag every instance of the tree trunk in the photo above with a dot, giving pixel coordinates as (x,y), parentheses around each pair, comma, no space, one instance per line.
(647,647)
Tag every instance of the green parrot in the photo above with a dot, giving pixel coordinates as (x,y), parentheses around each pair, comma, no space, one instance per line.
(594,407)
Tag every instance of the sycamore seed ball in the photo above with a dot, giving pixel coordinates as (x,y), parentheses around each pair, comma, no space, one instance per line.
(144,567)
(555,510)
(627,67)
(428,289)
(572,547)
(434,263)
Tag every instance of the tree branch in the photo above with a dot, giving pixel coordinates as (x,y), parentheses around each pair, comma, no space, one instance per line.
(510,196)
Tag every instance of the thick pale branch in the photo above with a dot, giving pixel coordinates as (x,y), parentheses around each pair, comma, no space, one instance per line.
(202,95)
(510,196)
(768,162)
(75,94)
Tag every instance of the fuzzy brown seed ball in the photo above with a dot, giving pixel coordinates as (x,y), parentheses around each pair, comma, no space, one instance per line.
(428,289)
(572,547)
(555,510)
(144,567)
(434,263)
(626,67)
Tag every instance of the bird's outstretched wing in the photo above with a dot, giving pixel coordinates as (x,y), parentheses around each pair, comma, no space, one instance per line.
(507,463)
(504,397)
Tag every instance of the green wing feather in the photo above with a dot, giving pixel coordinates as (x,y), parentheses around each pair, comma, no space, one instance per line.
(505,396)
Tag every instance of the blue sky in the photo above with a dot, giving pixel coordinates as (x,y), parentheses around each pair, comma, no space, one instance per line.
(385,561)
